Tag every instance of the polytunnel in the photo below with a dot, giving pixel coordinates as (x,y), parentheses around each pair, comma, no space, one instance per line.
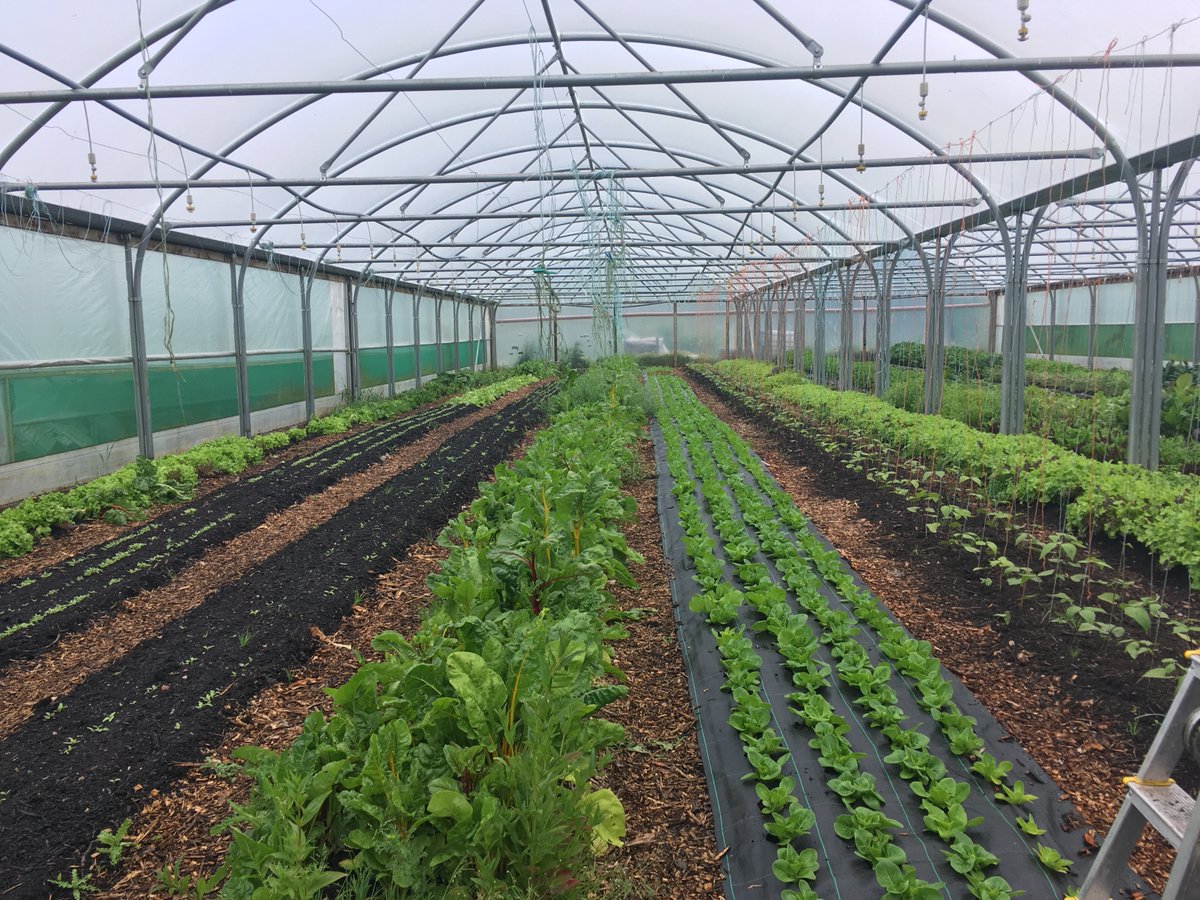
(239,219)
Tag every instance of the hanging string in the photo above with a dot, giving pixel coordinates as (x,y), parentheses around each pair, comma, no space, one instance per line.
(862,149)
(922,112)
(152,157)
(91,156)
(191,206)
(821,171)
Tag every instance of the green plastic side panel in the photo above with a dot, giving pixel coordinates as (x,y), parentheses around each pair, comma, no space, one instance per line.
(1111,340)
(428,359)
(403,361)
(322,375)
(192,392)
(372,367)
(55,410)
(372,363)
(61,409)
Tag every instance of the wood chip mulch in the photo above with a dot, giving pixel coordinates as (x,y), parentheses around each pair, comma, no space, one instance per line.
(26,683)
(1083,748)
(670,848)
(62,544)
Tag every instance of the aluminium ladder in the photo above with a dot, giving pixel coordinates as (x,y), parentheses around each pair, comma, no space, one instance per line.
(1155,799)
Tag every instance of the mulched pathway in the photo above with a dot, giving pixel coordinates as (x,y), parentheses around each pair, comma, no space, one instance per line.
(670,847)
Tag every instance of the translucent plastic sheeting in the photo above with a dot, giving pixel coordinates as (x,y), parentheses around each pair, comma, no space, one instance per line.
(372,317)
(273,316)
(493,131)
(61,298)
(200,317)
(402,321)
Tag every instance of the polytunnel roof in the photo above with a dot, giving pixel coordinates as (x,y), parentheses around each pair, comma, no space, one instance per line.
(704,145)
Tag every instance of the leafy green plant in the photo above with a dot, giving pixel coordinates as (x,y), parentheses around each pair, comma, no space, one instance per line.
(793,866)
(77,884)
(1052,859)
(1029,826)
(112,844)
(1015,794)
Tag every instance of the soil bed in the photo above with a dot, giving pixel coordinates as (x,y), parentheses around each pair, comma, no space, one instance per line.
(657,773)
(26,683)
(1075,703)
(76,769)
(149,555)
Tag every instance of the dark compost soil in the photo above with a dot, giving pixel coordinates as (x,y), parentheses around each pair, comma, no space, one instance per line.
(147,556)
(80,766)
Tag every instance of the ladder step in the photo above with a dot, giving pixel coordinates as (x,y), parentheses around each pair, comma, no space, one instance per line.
(1167,808)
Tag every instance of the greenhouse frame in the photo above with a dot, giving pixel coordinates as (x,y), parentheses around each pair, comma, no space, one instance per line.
(936,261)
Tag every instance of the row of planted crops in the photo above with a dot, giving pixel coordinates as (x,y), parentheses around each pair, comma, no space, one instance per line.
(464,755)
(130,657)
(869,777)
(1025,510)
(1079,409)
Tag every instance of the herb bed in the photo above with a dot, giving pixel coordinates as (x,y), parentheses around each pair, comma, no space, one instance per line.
(125,730)
(751,515)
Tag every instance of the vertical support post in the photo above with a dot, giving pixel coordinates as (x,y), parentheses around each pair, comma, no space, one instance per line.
(1143,331)
(310,394)
(1196,324)
(241,369)
(416,311)
(471,336)
(1093,309)
(1012,372)
(1149,324)
(819,329)
(674,332)
(798,336)
(797,319)
(725,355)
(137,350)
(883,327)
(737,328)
(457,360)
(752,327)
(935,328)
(768,346)
(783,291)
(437,333)
(993,319)
(492,334)
(846,330)
(1053,323)
(389,294)
(355,385)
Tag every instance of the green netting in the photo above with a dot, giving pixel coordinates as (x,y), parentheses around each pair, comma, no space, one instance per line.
(372,362)
(56,410)
(1111,340)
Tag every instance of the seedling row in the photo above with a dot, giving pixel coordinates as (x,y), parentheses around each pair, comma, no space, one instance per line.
(870,722)
(67,596)
(124,730)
